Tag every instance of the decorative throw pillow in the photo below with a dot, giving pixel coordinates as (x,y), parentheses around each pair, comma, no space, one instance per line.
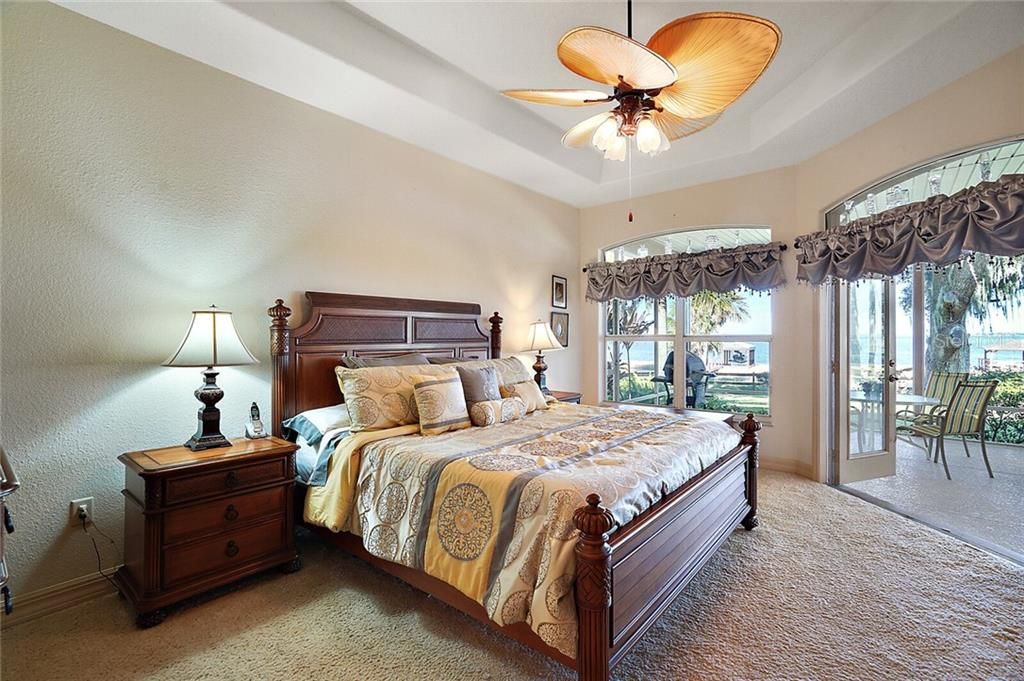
(529,392)
(382,397)
(409,359)
(479,385)
(510,370)
(441,403)
(497,411)
(311,425)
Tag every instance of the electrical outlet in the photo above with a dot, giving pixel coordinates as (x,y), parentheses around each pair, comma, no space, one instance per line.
(79,506)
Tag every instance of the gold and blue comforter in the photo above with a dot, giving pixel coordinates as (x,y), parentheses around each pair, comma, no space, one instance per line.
(489,510)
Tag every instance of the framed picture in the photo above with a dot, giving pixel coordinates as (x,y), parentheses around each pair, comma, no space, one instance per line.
(559,292)
(560,325)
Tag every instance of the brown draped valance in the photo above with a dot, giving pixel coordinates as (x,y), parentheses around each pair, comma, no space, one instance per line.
(757,267)
(987,218)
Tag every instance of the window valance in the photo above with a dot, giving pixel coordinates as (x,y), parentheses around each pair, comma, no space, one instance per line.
(756,267)
(987,218)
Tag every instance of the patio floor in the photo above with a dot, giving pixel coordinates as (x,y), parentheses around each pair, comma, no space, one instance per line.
(971,505)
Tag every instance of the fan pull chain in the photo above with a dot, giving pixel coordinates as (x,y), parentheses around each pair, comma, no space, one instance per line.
(629,175)
(629,18)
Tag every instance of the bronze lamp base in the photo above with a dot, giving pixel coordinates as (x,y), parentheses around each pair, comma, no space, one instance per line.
(208,433)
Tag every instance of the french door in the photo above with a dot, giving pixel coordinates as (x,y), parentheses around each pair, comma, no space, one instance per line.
(864,378)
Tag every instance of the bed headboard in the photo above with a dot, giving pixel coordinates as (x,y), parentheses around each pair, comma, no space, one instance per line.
(342,325)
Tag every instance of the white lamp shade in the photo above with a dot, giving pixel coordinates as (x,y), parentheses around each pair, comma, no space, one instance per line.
(211,340)
(541,337)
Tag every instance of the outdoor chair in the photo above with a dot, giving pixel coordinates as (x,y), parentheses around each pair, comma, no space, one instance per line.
(941,386)
(697,380)
(965,415)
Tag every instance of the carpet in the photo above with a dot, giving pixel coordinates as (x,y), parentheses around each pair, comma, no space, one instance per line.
(828,587)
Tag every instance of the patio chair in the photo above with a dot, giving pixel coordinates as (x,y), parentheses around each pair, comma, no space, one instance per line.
(941,386)
(964,416)
(697,380)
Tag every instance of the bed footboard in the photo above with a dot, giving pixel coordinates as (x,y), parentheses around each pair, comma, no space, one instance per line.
(625,581)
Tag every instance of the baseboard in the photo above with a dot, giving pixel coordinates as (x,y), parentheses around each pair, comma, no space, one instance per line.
(35,604)
(801,468)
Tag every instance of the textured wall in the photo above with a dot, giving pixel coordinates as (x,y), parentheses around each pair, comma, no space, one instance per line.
(984,106)
(137,185)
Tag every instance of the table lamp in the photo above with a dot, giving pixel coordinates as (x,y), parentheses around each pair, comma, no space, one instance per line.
(542,338)
(210,341)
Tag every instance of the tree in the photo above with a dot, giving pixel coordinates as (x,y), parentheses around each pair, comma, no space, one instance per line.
(628,318)
(710,311)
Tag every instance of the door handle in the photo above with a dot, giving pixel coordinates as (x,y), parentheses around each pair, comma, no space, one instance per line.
(893,378)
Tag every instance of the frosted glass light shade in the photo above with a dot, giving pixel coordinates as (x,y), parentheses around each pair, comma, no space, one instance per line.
(541,337)
(211,340)
(648,137)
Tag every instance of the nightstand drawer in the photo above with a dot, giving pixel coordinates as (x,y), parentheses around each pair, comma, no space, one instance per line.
(197,486)
(223,551)
(223,514)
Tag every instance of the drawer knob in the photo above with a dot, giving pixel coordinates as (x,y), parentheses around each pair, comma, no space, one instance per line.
(231,550)
(231,480)
(231,513)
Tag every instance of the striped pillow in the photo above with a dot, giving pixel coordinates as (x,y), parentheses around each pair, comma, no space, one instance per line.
(441,403)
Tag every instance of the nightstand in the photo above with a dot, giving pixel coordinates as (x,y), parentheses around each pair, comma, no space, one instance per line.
(198,520)
(563,396)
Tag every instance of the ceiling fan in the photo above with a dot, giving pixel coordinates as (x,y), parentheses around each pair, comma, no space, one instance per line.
(679,83)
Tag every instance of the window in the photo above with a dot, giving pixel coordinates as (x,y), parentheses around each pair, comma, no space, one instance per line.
(724,337)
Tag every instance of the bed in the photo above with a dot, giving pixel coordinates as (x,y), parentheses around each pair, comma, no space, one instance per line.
(624,555)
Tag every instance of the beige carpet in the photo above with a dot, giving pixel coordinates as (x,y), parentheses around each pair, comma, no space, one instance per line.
(829,587)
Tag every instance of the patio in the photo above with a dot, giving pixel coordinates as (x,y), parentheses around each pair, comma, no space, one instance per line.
(984,510)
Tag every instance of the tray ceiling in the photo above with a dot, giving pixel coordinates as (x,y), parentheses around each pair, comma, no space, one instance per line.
(429,73)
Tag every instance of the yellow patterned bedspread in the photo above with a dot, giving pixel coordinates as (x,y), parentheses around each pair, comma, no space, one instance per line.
(489,510)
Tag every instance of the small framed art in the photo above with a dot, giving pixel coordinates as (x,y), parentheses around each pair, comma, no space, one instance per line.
(560,326)
(559,292)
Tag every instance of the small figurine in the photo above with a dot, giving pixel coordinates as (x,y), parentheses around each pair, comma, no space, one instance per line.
(254,428)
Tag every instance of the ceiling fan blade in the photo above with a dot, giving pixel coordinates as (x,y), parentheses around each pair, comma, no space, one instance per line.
(718,56)
(560,97)
(675,127)
(605,56)
(582,133)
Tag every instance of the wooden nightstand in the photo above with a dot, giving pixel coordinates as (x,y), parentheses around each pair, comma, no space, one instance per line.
(563,396)
(198,520)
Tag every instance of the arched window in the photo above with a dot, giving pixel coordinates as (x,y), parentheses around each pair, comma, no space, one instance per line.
(725,338)
(946,175)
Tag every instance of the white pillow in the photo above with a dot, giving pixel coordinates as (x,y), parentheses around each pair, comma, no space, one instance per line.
(310,426)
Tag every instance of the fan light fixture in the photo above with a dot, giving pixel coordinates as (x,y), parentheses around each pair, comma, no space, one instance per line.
(678,84)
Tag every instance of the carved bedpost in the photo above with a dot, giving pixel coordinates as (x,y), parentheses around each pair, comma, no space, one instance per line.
(496,321)
(593,589)
(280,344)
(750,426)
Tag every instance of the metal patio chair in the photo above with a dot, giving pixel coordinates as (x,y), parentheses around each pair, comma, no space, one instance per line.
(941,386)
(964,416)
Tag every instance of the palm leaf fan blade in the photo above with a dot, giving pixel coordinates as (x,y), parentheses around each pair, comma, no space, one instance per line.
(559,97)
(582,133)
(718,56)
(676,127)
(604,56)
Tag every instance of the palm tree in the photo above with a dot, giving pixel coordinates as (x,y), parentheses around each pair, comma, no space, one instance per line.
(710,311)
(629,318)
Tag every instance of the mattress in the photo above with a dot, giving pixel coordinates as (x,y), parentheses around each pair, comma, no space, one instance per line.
(489,510)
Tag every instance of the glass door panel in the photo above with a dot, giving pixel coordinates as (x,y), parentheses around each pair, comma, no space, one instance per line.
(865,343)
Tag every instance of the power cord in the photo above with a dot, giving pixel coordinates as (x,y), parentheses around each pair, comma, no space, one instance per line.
(84,518)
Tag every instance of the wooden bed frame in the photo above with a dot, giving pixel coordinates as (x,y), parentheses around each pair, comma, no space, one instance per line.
(626,576)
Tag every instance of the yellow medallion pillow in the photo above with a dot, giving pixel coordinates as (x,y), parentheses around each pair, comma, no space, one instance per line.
(441,403)
(382,397)
(490,412)
(528,392)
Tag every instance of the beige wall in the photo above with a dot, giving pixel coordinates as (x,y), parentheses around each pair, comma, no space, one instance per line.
(984,106)
(137,185)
